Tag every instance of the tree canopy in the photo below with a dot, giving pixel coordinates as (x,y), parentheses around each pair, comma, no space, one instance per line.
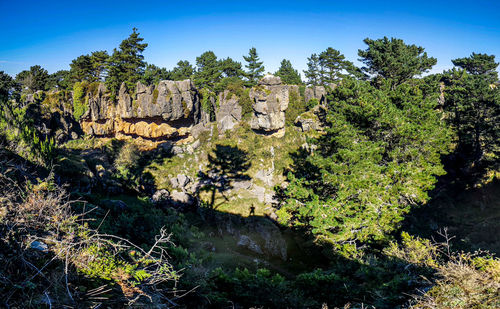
(255,67)
(379,156)
(126,64)
(472,98)
(394,60)
(288,74)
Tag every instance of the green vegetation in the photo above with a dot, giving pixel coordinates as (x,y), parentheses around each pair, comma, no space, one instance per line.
(79,100)
(126,65)
(254,66)
(343,216)
(288,74)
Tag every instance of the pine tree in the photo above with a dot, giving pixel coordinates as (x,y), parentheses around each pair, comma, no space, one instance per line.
(208,71)
(472,99)
(127,63)
(99,60)
(183,70)
(394,61)
(254,66)
(34,79)
(312,72)
(288,74)
(81,69)
(378,158)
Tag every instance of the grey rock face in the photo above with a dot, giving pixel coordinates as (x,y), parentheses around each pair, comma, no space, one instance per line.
(315,92)
(167,110)
(229,113)
(170,100)
(270,101)
(248,243)
(274,243)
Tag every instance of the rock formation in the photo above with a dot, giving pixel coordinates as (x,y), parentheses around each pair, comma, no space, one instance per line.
(229,113)
(270,100)
(166,111)
(315,92)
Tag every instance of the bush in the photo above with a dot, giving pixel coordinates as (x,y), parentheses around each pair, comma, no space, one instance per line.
(79,100)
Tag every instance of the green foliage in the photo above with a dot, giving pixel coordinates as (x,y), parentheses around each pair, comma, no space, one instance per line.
(472,100)
(377,159)
(254,66)
(59,80)
(208,71)
(183,70)
(126,65)
(153,75)
(80,105)
(312,72)
(206,102)
(312,103)
(414,250)
(37,78)
(237,88)
(288,74)
(296,106)
(394,60)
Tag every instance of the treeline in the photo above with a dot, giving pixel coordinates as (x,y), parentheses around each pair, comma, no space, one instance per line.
(126,64)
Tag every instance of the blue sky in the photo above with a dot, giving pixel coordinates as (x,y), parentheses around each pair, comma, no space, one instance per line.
(52,33)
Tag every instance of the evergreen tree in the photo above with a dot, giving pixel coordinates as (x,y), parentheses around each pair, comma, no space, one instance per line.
(34,79)
(479,64)
(81,69)
(379,156)
(288,74)
(60,80)
(7,86)
(231,68)
(331,63)
(183,70)
(153,75)
(208,71)
(312,72)
(394,60)
(472,99)
(254,66)
(99,60)
(126,64)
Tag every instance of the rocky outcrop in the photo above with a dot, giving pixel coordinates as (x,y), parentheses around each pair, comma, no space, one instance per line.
(315,92)
(229,113)
(52,114)
(165,111)
(270,100)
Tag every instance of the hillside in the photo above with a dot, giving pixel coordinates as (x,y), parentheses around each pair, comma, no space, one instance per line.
(218,188)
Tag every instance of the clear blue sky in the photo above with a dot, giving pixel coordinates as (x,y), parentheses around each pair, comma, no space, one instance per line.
(52,33)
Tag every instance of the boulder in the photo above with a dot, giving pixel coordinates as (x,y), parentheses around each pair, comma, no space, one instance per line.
(229,113)
(247,243)
(160,196)
(270,101)
(180,181)
(181,199)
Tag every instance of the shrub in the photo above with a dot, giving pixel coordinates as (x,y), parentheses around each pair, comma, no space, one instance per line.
(79,102)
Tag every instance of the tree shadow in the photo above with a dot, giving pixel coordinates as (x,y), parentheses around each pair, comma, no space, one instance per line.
(226,164)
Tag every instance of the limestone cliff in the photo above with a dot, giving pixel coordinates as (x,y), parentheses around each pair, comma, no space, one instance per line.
(165,111)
